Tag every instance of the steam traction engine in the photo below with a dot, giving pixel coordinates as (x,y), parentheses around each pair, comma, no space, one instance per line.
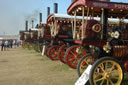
(26,39)
(45,37)
(105,43)
(35,34)
(61,32)
(60,28)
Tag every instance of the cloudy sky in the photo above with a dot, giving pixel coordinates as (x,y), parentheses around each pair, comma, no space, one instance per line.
(13,13)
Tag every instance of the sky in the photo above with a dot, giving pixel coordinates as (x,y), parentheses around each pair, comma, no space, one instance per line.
(14,13)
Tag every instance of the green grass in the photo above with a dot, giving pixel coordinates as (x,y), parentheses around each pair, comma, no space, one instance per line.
(61,67)
(38,54)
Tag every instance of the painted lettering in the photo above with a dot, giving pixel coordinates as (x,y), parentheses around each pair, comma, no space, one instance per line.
(120,6)
(100,4)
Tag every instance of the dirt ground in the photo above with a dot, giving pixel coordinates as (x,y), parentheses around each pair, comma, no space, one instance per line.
(26,67)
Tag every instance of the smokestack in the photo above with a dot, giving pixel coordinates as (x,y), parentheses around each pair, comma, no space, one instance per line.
(32,23)
(26,24)
(40,18)
(55,8)
(48,11)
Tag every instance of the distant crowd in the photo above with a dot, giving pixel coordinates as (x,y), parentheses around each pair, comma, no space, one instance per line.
(5,44)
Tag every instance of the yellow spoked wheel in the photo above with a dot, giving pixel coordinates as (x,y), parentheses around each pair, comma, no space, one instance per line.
(106,71)
(84,62)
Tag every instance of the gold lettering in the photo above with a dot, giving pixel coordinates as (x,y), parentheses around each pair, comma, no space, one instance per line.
(121,6)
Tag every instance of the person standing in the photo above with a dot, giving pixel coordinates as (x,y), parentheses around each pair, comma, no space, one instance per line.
(14,43)
(3,45)
(11,43)
(6,44)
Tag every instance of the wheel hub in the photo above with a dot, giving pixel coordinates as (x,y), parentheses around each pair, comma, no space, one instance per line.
(107,75)
(75,55)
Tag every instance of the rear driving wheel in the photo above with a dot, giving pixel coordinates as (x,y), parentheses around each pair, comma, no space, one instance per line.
(73,54)
(61,53)
(106,71)
(52,52)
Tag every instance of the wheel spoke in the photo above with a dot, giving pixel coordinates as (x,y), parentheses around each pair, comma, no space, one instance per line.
(102,69)
(115,77)
(72,60)
(87,62)
(112,68)
(78,56)
(107,82)
(99,79)
(72,53)
(76,61)
(102,82)
(111,82)
(97,73)
(115,71)
(102,65)
(106,67)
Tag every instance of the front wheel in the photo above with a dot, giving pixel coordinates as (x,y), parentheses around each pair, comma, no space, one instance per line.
(84,62)
(73,54)
(52,52)
(61,53)
(106,71)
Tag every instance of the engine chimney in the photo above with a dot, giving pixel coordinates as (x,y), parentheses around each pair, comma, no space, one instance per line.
(48,11)
(26,24)
(40,18)
(55,8)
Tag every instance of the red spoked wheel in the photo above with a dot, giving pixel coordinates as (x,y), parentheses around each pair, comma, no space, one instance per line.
(61,53)
(52,52)
(73,54)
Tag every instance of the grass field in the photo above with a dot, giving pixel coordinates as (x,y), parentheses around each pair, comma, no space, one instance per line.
(26,67)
